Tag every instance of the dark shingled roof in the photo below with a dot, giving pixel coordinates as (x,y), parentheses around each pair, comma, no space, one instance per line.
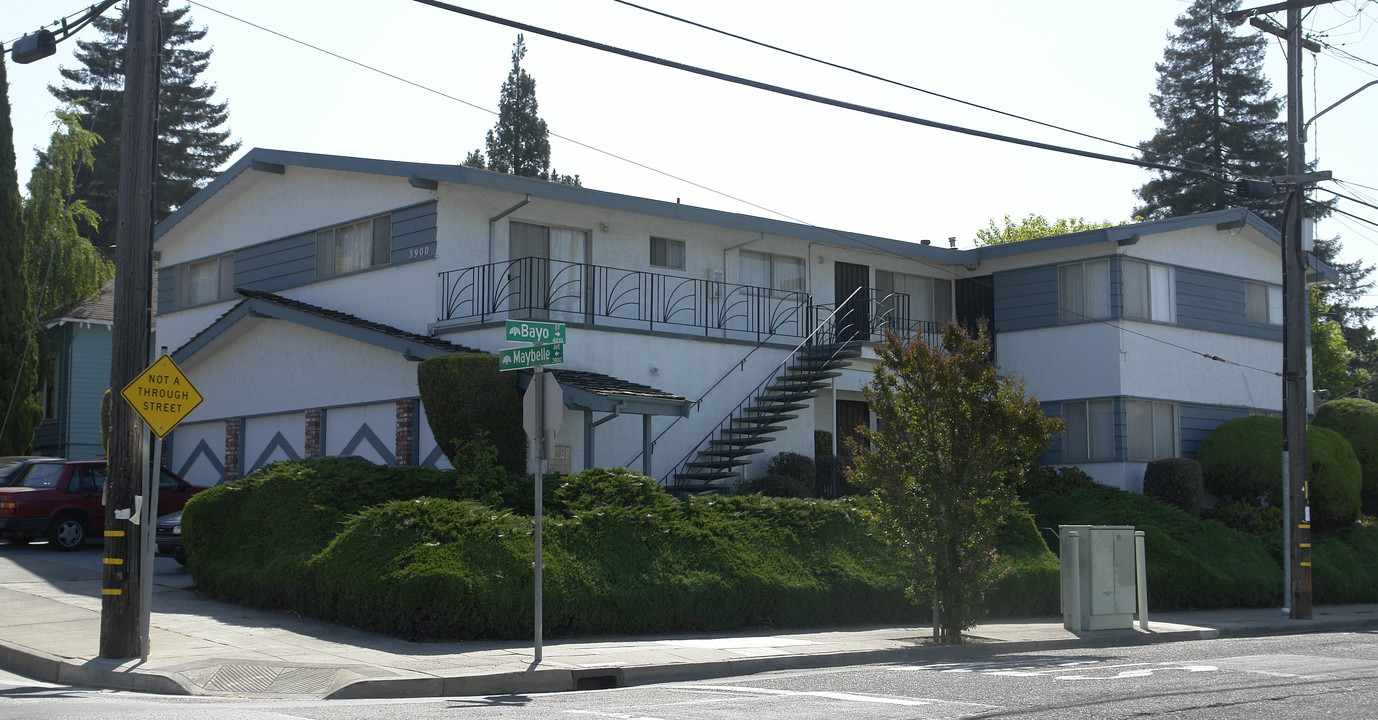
(354,320)
(608,385)
(100,308)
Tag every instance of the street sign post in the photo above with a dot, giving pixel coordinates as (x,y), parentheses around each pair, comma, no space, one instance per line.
(544,411)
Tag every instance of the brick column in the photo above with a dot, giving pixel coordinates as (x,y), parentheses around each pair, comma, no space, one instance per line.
(232,449)
(406,438)
(313,433)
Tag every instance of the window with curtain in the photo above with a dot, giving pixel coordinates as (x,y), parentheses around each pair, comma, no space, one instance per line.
(930,299)
(1084,291)
(777,272)
(355,246)
(1148,292)
(1152,428)
(1262,303)
(667,253)
(203,282)
(1090,432)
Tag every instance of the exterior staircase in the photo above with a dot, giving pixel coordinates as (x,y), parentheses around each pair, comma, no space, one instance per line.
(717,464)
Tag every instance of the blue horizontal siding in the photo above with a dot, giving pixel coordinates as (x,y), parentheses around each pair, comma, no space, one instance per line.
(1198,421)
(89,377)
(414,233)
(278,264)
(1215,303)
(166,293)
(1026,299)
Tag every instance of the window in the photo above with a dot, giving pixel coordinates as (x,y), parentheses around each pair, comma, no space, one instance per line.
(930,299)
(1262,303)
(353,247)
(667,253)
(1152,429)
(1084,291)
(1090,433)
(778,272)
(1148,292)
(203,282)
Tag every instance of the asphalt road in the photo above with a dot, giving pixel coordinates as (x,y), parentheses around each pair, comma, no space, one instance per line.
(1317,675)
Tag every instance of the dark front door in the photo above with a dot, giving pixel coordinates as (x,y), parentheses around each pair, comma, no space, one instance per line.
(850,415)
(976,305)
(852,322)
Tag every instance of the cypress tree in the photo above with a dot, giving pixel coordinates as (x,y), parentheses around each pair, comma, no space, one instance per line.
(1216,112)
(191,143)
(519,143)
(19,412)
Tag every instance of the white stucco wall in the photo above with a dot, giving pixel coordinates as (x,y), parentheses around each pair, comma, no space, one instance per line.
(1070,361)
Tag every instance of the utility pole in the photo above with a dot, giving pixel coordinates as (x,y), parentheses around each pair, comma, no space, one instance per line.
(121,586)
(1295,512)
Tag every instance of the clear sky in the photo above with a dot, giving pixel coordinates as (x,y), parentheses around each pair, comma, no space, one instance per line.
(1087,65)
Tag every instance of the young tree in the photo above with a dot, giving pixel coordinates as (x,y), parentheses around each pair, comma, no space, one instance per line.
(953,441)
(519,143)
(19,412)
(191,144)
(1339,304)
(63,266)
(1033,226)
(1217,114)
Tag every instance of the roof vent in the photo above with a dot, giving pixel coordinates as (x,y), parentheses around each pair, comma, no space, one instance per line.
(925,242)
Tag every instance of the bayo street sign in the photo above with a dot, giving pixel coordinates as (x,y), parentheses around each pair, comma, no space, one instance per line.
(535,332)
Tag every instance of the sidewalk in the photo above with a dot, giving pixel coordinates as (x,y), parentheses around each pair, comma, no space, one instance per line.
(51,632)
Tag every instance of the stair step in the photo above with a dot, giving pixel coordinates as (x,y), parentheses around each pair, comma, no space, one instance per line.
(789,397)
(742,442)
(758,430)
(716,464)
(774,407)
(764,419)
(730,452)
(813,375)
(704,476)
(793,387)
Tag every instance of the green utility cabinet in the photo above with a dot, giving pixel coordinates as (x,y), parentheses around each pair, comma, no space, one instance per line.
(1101,577)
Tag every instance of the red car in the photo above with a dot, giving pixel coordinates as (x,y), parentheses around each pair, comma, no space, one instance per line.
(61,500)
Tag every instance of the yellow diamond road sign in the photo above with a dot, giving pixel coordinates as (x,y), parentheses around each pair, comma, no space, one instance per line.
(162,395)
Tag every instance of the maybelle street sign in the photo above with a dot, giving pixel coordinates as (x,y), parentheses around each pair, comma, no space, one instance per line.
(526,357)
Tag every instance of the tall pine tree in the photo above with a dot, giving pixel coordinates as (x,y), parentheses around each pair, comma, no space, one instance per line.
(191,141)
(1216,112)
(519,143)
(19,412)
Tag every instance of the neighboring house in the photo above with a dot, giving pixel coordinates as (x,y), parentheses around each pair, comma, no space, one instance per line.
(300,290)
(79,340)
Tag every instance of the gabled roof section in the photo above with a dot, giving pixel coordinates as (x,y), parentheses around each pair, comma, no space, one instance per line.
(98,310)
(259,304)
(260,160)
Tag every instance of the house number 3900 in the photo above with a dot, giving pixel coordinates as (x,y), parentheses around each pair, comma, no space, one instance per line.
(418,252)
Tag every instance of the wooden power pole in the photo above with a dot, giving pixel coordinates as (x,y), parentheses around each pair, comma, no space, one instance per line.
(120,587)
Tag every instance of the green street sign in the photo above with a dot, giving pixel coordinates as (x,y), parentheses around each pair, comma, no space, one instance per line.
(535,332)
(525,357)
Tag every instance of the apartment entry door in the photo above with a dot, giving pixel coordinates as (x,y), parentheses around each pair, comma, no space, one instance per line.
(852,322)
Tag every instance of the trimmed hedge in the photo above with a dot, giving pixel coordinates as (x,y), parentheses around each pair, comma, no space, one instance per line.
(467,399)
(1178,482)
(1357,421)
(1241,460)
(378,547)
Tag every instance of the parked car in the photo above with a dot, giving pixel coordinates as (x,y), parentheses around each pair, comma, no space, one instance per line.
(12,465)
(61,500)
(169,537)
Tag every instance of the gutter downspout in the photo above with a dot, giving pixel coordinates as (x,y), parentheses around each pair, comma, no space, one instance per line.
(493,225)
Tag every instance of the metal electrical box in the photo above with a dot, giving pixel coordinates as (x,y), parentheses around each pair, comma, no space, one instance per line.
(1100,587)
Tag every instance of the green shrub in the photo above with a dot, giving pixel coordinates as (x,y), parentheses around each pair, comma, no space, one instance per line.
(1247,518)
(1191,563)
(1030,582)
(1177,481)
(1357,421)
(1344,566)
(467,399)
(793,465)
(780,486)
(822,443)
(1242,461)
(1048,480)
(599,487)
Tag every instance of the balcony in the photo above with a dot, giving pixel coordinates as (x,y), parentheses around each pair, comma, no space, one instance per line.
(533,288)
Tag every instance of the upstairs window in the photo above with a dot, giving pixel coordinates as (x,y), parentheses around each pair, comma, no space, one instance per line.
(1083,291)
(1262,303)
(930,299)
(777,272)
(1148,292)
(667,253)
(355,246)
(203,282)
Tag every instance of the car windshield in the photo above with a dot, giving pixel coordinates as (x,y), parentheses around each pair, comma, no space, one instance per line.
(39,475)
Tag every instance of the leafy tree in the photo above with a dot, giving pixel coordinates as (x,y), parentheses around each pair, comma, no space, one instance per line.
(63,266)
(18,369)
(1033,226)
(1217,114)
(953,443)
(1332,365)
(1338,303)
(191,142)
(519,143)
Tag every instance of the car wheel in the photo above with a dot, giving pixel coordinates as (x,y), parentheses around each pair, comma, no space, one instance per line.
(67,533)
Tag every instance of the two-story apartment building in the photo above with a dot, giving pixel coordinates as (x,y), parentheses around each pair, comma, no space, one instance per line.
(299,291)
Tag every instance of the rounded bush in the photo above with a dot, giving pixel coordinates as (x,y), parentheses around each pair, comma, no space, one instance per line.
(1176,481)
(1247,518)
(598,487)
(792,464)
(1242,461)
(1357,421)
(1048,480)
(780,486)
